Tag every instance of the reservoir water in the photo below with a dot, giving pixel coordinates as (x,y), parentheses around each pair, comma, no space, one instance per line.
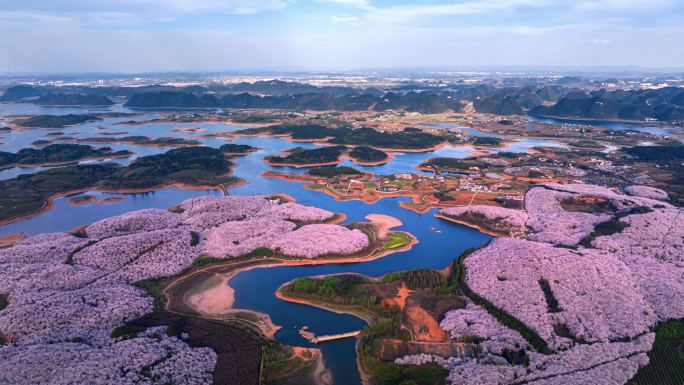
(439,241)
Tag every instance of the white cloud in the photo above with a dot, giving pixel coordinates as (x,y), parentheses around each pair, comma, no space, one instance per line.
(143,8)
(345,19)
(136,35)
(403,13)
(348,3)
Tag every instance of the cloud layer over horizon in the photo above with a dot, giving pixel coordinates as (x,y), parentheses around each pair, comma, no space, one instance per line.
(223,35)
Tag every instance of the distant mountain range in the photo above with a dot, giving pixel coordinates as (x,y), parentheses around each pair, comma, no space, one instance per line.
(665,104)
(559,101)
(423,102)
(62,99)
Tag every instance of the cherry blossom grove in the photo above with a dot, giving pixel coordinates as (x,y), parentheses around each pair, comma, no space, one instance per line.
(513,220)
(66,292)
(594,306)
(646,192)
(549,223)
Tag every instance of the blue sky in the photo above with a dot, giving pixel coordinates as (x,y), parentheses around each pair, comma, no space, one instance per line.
(223,35)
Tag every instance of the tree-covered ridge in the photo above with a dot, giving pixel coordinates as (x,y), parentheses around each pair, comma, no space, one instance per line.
(295,131)
(55,121)
(64,99)
(29,193)
(668,158)
(411,139)
(487,141)
(140,140)
(232,148)
(172,99)
(657,153)
(368,154)
(330,172)
(301,156)
(424,102)
(57,153)
(665,104)
(452,163)
(190,165)
(395,140)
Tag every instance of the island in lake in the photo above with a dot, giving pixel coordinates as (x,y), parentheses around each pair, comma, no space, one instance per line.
(349,229)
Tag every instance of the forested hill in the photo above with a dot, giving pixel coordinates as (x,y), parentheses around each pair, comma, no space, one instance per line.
(64,99)
(424,102)
(665,104)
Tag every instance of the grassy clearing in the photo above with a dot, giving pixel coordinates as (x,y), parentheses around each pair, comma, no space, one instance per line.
(666,366)
(395,240)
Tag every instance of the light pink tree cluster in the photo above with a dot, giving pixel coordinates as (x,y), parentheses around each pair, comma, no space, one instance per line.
(523,171)
(598,298)
(549,223)
(210,211)
(609,371)
(608,296)
(133,222)
(475,322)
(620,201)
(646,192)
(424,358)
(605,363)
(658,234)
(150,358)
(315,240)
(494,161)
(299,213)
(236,238)
(653,248)
(497,217)
(66,293)
(51,247)
(149,254)
(57,315)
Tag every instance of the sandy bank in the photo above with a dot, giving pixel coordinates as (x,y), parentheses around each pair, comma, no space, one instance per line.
(383,223)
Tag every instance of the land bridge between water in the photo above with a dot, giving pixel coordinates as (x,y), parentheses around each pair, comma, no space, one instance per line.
(332,337)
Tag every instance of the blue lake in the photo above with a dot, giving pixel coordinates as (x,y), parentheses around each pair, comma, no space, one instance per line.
(659,131)
(439,241)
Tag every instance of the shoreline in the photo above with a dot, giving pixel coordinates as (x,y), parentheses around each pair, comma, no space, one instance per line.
(390,157)
(305,165)
(88,199)
(633,122)
(472,226)
(67,162)
(268,328)
(49,203)
(416,198)
(10,239)
(320,141)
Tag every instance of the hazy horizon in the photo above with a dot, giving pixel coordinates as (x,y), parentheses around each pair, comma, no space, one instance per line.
(143,36)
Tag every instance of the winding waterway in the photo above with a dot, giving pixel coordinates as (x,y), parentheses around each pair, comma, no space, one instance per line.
(439,241)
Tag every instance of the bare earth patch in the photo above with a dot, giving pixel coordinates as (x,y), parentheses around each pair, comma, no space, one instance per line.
(383,223)
(216,300)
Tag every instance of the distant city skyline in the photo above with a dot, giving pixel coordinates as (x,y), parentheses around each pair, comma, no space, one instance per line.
(69,36)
